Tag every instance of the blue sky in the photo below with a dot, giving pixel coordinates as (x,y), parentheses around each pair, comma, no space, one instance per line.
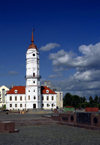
(68,30)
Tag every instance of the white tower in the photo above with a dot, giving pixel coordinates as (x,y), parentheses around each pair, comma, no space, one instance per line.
(33,94)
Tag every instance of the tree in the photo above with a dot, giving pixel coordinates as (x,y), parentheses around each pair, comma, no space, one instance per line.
(76,101)
(96,99)
(67,99)
(91,101)
(82,99)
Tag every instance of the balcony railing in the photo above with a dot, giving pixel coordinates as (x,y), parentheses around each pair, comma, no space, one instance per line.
(33,77)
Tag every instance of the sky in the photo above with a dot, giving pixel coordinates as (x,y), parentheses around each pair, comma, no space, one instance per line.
(67,34)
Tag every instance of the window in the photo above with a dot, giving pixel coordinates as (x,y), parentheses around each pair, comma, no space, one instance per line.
(20,105)
(33,54)
(10,105)
(15,105)
(34,82)
(33,74)
(33,90)
(10,98)
(47,91)
(42,105)
(52,105)
(15,98)
(16,91)
(28,90)
(42,98)
(47,97)
(52,98)
(20,98)
(38,98)
(48,105)
(28,97)
(34,97)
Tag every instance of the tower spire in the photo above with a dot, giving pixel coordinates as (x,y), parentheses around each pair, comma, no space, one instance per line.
(32,36)
(32,45)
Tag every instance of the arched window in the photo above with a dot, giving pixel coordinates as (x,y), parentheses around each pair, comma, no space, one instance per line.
(33,74)
(20,98)
(15,98)
(10,98)
(28,97)
(20,105)
(48,105)
(52,98)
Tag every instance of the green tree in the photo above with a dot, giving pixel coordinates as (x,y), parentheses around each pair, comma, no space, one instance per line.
(96,99)
(91,101)
(76,101)
(82,99)
(67,99)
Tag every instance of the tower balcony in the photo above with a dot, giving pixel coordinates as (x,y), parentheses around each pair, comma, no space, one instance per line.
(33,77)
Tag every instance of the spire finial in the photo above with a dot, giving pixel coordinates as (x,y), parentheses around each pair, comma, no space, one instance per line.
(32,36)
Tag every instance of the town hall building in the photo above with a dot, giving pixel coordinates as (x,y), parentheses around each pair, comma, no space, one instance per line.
(33,95)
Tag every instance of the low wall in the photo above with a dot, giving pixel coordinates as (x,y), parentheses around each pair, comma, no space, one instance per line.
(7,126)
(80,119)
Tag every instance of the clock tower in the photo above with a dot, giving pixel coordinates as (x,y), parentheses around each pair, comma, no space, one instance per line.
(33,94)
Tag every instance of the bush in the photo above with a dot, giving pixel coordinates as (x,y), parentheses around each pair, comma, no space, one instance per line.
(4,107)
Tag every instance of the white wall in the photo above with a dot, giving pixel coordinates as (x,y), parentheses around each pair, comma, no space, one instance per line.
(32,66)
(3,95)
(13,102)
(49,102)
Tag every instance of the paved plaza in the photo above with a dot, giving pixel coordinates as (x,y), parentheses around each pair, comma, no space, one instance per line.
(34,129)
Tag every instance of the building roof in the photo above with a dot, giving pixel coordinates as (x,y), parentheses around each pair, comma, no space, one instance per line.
(21,90)
(46,90)
(17,90)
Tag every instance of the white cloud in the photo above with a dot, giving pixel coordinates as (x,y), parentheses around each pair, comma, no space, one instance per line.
(12,72)
(86,79)
(49,46)
(55,76)
(89,58)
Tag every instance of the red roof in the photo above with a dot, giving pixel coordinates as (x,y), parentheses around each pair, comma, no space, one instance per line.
(21,90)
(17,90)
(46,90)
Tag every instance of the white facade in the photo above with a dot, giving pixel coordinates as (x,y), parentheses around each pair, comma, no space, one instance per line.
(16,102)
(3,91)
(33,95)
(48,101)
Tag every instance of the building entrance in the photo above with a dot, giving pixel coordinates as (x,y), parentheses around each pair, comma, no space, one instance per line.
(34,106)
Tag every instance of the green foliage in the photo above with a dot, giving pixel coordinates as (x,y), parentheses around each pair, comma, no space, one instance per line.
(81,102)
(68,99)
(3,107)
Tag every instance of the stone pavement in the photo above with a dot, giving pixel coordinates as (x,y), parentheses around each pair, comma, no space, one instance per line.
(46,133)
